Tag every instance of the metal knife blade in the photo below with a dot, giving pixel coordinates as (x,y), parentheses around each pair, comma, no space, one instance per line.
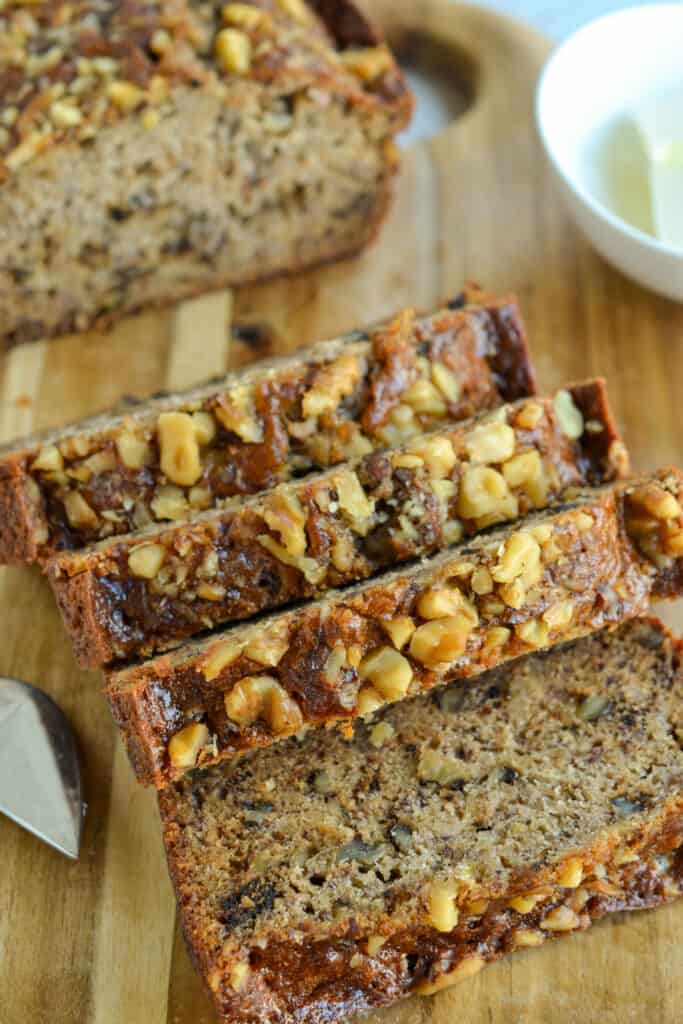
(40,778)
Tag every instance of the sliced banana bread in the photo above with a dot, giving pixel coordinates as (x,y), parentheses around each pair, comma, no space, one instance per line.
(148,591)
(340,399)
(554,576)
(329,876)
(152,150)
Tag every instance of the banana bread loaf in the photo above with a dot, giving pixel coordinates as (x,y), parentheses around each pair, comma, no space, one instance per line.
(555,576)
(153,150)
(340,399)
(501,815)
(150,590)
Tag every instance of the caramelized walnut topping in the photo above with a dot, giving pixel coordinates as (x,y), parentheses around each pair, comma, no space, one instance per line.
(368,63)
(233,51)
(185,746)
(491,442)
(467,968)
(484,495)
(178,448)
(443,913)
(257,697)
(568,415)
(332,382)
(388,672)
(146,560)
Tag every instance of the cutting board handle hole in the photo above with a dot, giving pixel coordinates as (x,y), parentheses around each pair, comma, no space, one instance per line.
(443,80)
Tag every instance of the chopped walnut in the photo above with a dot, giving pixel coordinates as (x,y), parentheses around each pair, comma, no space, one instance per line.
(441,641)
(525,470)
(295,9)
(236,414)
(369,63)
(256,697)
(443,913)
(79,513)
(484,494)
(561,919)
(134,451)
(559,615)
(368,701)
(244,15)
(466,968)
(400,629)
(524,938)
(439,456)
(521,558)
(233,51)
(440,602)
(381,734)
(285,515)
(146,560)
(332,382)
(425,399)
(535,632)
(529,416)
(178,448)
(353,501)
(49,460)
(387,671)
(490,442)
(169,502)
(239,975)
(220,656)
(446,382)
(125,95)
(526,903)
(184,747)
(571,873)
(204,427)
(568,415)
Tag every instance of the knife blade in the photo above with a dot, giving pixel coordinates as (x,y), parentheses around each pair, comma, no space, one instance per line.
(40,777)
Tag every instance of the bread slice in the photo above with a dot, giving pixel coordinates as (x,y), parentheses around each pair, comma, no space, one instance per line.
(148,591)
(339,399)
(150,151)
(555,576)
(327,877)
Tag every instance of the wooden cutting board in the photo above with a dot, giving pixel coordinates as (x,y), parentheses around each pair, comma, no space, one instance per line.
(95,942)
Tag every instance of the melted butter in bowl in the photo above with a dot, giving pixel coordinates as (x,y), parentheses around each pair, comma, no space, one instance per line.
(610,115)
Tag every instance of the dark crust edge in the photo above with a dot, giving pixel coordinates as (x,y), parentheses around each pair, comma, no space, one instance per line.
(19,546)
(18,542)
(86,617)
(191,929)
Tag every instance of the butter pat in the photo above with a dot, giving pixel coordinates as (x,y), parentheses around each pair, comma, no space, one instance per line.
(659,120)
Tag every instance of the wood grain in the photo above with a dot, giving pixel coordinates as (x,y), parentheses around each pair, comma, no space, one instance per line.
(95,942)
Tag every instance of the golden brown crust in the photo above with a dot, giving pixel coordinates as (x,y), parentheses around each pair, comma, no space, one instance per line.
(557,576)
(329,530)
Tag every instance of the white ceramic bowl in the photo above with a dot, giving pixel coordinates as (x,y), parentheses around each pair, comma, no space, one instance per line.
(589,83)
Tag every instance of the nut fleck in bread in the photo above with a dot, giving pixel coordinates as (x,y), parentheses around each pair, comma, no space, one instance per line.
(150,590)
(555,576)
(329,876)
(339,399)
(150,151)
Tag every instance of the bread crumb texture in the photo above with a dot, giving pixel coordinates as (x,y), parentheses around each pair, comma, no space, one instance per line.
(344,874)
